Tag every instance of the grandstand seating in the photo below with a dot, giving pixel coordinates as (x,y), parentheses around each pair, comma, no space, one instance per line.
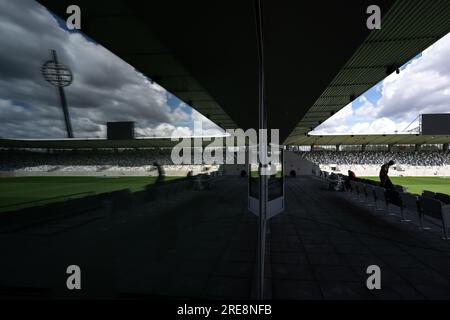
(430,204)
(428,194)
(444,198)
(436,209)
(409,202)
(380,196)
(422,158)
(116,205)
(49,213)
(96,162)
(84,160)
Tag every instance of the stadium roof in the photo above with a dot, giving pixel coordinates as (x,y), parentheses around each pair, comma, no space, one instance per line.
(167,142)
(385,139)
(94,143)
(316,56)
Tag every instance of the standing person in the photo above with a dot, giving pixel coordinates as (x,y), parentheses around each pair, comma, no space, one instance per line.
(351,177)
(385,182)
(161,174)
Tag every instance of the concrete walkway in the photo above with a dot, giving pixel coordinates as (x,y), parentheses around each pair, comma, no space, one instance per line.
(323,243)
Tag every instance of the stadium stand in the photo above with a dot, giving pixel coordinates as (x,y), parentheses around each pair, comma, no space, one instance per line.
(368,163)
(95,162)
(431,206)
(422,158)
(88,160)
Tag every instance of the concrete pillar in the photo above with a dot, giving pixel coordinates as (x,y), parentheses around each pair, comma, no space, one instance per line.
(390,147)
(417,147)
(363,147)
(445,146)
(338,147)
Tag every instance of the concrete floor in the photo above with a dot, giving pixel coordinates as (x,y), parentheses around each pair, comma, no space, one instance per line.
(323,243)
(202,244)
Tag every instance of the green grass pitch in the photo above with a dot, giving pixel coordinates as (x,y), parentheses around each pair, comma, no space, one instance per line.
(418,184)
(21,192)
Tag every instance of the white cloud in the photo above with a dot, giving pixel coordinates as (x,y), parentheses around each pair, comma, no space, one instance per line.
(423,86)
(207,128)
(367,109)
(105,88)
(164,130)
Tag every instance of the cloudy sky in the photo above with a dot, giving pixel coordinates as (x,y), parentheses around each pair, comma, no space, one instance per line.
(108,89)
(105,88)
(423,86)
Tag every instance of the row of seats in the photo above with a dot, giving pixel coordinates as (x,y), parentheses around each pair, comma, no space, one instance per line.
(429,204)
(419,158)
(445,198)
(114,204)
(436,206)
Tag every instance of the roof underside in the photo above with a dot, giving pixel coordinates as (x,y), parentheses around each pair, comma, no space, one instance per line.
(386,139)
(205,52)
(409,28)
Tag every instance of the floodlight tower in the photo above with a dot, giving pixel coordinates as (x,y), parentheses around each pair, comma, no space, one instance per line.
(59,76)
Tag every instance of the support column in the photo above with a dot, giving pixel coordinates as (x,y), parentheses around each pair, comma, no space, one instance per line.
(445,147)
(262,151)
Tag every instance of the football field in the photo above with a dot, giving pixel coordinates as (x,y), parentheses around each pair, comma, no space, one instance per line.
(418,184)
(21,192)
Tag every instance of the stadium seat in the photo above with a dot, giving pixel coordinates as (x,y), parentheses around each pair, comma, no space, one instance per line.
(45,214)
(139,198)
(380,194)
(410,203)
(356,190)
(361,191)
(121,201)
(429,194)
(435,209)
(444,198)
(370,194)
(353,190)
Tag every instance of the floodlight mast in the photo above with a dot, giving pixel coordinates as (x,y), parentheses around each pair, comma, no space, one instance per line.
(263,145)
(59,76)
(64,106)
